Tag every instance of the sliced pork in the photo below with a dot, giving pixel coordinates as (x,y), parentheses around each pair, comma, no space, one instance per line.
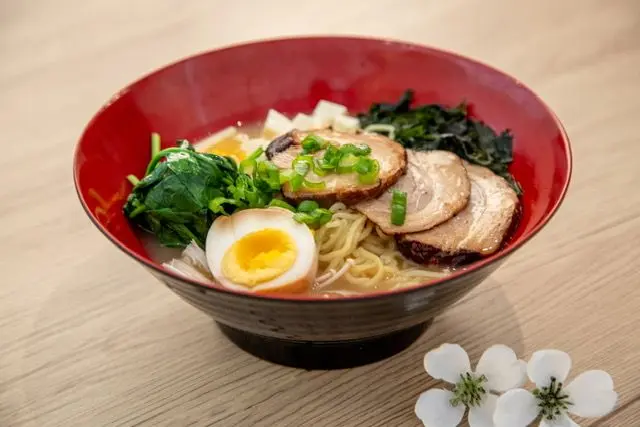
(437,188)
(478,230)
(340,187)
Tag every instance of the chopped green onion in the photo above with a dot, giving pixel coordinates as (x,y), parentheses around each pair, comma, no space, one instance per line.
(368,170)
(133,179)
(302,165)
(248,165)
(398,207)
(322,216)
(314,219)
(312,144)
(155,144)
(296,182)
(314,185)
(308,206)
(347,163)
(303,217)
(286,175)
(281,204)
(331,158)
(317,169)
(358,150)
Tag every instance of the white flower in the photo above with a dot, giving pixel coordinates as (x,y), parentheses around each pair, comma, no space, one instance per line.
(498,370)
(590,394)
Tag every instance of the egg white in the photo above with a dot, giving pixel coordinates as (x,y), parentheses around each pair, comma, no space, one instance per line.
(226,230)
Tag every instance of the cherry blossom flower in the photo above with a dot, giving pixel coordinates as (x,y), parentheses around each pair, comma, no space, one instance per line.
(498,370)
(590,394)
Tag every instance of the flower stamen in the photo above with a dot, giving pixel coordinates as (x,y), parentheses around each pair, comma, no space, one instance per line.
(469,390)
(552,401)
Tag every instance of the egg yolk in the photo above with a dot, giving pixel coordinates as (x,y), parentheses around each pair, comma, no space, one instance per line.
(228,147)
(259,257)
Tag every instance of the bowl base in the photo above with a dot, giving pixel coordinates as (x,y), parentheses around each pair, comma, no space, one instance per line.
(324,355)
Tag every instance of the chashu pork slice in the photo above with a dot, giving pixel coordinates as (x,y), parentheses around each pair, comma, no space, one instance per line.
(478,230)
(340,187)
(437,188)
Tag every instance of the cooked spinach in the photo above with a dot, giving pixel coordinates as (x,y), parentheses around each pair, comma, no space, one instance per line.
(179,198)
(434,127)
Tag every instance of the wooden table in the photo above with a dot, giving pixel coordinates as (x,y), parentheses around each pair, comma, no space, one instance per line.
(88,338)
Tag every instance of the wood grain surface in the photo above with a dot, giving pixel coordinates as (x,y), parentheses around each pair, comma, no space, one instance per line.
(88,338)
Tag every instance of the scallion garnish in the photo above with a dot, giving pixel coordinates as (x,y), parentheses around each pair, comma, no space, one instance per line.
(286,175)
(398,207)
(296,182)
(367,169)
(314,185)
(312,143)
(314,219)
(347,163)
(302,164)
(308,206)
(357,150)
(248,165)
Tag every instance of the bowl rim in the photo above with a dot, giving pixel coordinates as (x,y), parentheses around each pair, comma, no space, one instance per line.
(302,298)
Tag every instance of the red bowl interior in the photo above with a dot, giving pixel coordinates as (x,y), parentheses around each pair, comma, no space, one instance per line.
(196,96)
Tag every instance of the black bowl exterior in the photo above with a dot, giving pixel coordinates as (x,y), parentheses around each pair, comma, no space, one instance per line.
(332,319)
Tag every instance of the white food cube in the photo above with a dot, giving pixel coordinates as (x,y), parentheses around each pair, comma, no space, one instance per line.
(276,124)
(322,122)
(304,122)
(226,133)
(346,124)
(328,111)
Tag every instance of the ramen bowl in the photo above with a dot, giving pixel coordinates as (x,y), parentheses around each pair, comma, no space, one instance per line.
(210,91)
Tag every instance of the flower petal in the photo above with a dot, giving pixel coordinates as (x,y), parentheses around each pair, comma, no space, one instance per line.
(482,416)
(545,364)
(563,421)
(434,409)
(502,368)
(447,362)
(515,408)
(592,394)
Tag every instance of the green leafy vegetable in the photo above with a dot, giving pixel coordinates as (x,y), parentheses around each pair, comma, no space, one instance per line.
(155,144)
(133,179)
(433,127)
(281,204)
(398,207)
(178,199)
(248,165)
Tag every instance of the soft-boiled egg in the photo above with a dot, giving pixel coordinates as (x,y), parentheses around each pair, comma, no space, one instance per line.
(231,143)
(262,250)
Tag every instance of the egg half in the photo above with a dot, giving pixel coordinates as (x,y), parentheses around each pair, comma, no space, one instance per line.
(229,142)
(262,250)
